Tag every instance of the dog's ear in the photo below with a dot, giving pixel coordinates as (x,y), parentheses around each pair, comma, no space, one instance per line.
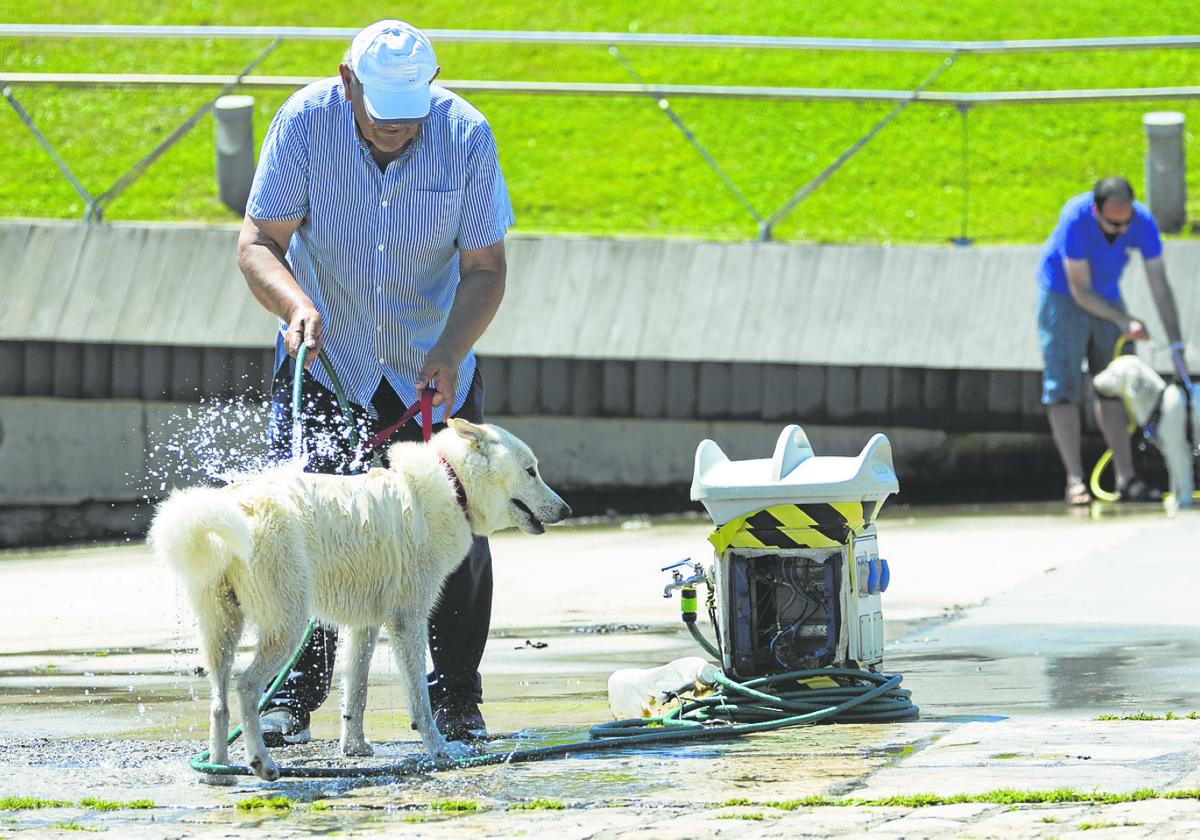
(467,430)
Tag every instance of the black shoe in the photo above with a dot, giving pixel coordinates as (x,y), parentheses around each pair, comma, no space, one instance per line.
(1139,491)
(459,721)
(281,726)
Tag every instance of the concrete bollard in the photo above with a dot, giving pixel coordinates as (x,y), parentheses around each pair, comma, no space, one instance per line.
(1165,169)
(233,117)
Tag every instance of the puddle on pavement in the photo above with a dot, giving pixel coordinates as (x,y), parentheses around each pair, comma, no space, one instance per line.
(785,765)
(1151,672)
(88,733)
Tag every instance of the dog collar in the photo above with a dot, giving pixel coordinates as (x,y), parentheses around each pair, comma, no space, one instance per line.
(460,493)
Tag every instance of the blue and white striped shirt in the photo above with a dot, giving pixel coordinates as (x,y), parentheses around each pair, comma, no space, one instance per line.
(378,252)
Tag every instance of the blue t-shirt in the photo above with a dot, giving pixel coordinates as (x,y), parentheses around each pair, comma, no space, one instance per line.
(1077,236)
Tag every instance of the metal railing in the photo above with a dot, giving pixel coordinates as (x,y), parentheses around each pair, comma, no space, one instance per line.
(925,97)
(604,39)
(660,93)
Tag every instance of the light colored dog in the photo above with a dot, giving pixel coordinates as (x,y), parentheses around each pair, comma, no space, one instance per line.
(1144,390)
(359,551)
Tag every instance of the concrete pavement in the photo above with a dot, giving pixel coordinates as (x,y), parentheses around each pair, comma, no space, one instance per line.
(1015,627)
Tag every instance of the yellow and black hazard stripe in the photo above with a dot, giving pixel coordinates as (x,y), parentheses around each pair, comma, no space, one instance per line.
(808,525)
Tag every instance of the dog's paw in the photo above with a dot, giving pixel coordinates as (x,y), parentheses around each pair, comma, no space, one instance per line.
(219,781)
(265,768)
(453,749)
(360,747)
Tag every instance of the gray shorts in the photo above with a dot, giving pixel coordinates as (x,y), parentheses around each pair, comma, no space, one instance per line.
(1068,335)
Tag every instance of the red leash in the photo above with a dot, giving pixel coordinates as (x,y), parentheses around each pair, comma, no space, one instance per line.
(424,406)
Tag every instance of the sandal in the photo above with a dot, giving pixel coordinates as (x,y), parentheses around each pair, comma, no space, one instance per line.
(1139,491)
(1077,494)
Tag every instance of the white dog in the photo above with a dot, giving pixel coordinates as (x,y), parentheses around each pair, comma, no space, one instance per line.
(1145,390)
(360,551)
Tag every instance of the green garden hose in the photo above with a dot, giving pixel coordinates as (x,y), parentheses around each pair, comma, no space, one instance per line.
(795,698)
(821,695)
(338,391)
(1105,458)
(708,646)
(1098,492)
(200,762)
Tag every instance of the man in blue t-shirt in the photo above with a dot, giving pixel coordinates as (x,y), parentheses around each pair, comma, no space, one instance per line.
(1081,315)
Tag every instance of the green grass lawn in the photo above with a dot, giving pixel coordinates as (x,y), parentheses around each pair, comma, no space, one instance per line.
(607,165)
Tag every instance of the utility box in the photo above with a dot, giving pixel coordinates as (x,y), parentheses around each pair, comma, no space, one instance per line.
(797,573)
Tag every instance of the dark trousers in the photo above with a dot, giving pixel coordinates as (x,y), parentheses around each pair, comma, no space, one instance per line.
(458,626)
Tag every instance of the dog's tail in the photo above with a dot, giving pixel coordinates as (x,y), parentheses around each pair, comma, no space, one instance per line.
(199,532)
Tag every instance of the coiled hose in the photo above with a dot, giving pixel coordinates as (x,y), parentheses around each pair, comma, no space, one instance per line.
(795,698)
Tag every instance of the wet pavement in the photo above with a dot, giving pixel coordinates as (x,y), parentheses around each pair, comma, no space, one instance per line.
(1015,627)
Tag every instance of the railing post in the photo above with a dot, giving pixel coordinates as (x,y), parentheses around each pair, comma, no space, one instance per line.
(233,117)
(963,237)
(1166,191)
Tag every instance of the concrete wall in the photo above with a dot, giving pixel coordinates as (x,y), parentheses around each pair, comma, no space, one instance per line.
(925,307)
(933,337)
(616,355)
(80,469)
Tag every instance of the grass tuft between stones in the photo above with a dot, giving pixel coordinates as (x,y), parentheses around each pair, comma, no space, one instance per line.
(115,805)
(1003,796)
(537,805)
(30,803)
(453,805)
(265,803)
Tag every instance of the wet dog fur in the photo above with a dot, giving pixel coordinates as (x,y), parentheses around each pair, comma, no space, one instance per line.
(360,551)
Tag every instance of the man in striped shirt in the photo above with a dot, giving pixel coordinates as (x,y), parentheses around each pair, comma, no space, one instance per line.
(375,231)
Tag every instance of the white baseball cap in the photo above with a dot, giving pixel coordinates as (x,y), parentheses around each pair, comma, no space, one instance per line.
(394,63)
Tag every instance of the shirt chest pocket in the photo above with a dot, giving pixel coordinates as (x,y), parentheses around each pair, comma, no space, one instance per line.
(429,219)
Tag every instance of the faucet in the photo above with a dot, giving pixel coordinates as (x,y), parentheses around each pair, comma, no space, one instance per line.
(678,581)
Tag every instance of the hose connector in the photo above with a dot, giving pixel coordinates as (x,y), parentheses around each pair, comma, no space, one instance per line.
(687,603)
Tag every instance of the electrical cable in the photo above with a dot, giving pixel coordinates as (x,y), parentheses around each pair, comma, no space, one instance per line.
(811,607)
